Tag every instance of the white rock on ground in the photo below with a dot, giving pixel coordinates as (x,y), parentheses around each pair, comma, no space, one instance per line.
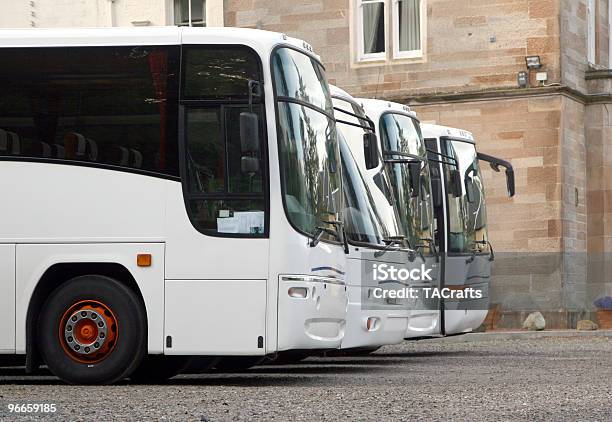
(534,322)
(586,325)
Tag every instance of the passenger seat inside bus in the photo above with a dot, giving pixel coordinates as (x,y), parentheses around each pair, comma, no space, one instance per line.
(78,147)
(9,143)
(135,158)
(58,151)
(122,156)
(36,149)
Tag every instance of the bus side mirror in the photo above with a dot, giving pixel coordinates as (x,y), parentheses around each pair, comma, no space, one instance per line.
(495,164)
(414,169)
(249,132)
(370,150)
(510,182)
(455,183)
(436,191)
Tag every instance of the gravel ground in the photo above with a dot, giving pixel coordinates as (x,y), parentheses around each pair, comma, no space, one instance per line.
(527,379)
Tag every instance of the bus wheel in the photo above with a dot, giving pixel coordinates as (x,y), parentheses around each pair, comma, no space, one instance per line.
(155,369)
(92,330)
(238,363)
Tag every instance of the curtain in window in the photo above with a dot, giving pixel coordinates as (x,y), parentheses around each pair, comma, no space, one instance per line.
(409,25)
(373,27)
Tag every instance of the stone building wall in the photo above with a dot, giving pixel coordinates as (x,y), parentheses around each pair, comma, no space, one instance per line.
(559,138)
(471,45)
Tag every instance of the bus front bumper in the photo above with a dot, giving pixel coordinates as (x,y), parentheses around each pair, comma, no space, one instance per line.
(311,313)
(374,327)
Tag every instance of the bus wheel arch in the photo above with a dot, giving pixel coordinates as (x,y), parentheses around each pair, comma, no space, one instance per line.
(55,276)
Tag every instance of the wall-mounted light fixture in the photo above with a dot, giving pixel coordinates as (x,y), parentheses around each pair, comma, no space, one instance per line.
(523,79)
(533,62)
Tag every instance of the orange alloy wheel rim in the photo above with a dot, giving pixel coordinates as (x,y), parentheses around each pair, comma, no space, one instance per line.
(88,331)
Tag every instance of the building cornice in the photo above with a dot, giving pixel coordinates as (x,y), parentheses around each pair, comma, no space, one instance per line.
(505,93)
(598,74)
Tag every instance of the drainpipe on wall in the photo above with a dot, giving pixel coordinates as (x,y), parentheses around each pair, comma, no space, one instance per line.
(111,12)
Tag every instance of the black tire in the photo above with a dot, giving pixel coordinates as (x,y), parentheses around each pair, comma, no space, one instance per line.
(238,363)
(156,369)
(130,343)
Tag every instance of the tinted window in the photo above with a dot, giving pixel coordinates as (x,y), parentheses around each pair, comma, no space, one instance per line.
(214,152)
(223,199)
(109,105)
(402,134)
(466,211)
(219,73)
(299,76)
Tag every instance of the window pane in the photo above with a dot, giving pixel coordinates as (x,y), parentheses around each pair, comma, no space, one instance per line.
(373,27)
(181,12)
(299,76)
(401,133)
(227,216)
(409,25)
(205,151)
(60,103)
(309,166)
(211,159)
(198,12)
(467,218)
(360,213)
(219,73)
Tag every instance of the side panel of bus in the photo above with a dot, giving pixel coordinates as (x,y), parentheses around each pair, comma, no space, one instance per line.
(7,299)
(34,260)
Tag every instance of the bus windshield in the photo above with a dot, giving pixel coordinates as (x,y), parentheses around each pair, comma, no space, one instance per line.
(362,222)
(402,134)
(466,212)
(309,157)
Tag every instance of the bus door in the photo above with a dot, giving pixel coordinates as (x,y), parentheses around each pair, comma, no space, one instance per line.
(217,247)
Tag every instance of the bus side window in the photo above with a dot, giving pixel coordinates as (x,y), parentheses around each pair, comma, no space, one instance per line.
(222,199)
(60,104)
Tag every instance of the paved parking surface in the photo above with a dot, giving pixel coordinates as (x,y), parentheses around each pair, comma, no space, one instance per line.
(524,379)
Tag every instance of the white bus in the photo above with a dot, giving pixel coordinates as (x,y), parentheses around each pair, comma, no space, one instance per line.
(372,231)
(405,161)
(165,191)
(461,221)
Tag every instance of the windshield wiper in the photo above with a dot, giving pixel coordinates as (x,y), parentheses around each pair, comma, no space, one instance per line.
(338,233)
(406,158)
(390,243)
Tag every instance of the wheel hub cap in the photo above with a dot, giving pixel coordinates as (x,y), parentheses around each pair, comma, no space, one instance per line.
(85,332)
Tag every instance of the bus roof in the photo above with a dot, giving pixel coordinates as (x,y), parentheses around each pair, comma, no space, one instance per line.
(378,107)
(340,93)
(438,131)
(162,35)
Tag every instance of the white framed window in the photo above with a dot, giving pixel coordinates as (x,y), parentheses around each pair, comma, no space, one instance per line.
(190,12)
(591,31)
(409,20)
(372,29)
(389,29)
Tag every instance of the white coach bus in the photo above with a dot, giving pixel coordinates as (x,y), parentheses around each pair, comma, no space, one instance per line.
(165,191)
(372,232)
(461,222)
(405,161)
